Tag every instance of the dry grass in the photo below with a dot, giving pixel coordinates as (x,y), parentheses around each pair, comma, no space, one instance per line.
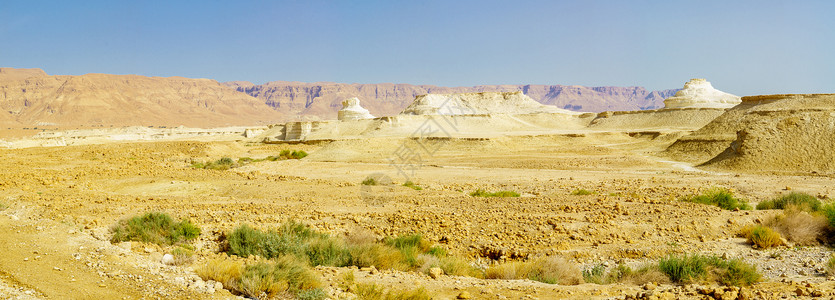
(555,270)
(799,226)
(286,275)
(830,266)
(625,274)
(225,271)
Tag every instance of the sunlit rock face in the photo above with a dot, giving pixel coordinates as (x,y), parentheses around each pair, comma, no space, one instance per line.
(351,110)
(699,93)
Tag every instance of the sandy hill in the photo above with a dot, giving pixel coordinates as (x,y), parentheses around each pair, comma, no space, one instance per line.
(33,98)
(323,99)
(784,133)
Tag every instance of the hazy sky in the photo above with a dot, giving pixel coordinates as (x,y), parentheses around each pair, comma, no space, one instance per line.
(742,47)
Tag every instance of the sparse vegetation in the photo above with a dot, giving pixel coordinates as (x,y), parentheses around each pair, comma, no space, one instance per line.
(798,226)
(625,274)
(830,266)
(801,201)
(581,192)
(699,268)
(183,255)
(370,181)
(3,206)
(412,185)
(154,227)
(720,197)
(483,193)
(554,270)
(263,280)
(829,212)
(375,292)
(227,163)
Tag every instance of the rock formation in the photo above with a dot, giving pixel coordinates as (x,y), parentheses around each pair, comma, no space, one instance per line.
(699,93)
(479,104)
(783,133)
(322,99)
(351,110)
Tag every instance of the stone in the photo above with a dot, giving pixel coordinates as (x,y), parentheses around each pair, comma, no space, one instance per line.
(435,273)
(464,295)
(649,286)
(351,110)
(699,93)
(167,259)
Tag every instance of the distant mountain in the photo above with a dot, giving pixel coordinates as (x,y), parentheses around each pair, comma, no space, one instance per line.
(322,99)
(30,97)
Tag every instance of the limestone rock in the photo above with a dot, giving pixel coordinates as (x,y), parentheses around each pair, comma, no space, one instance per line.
(699,93)
(351,110)
(479,104)
(435,273)
(167,259)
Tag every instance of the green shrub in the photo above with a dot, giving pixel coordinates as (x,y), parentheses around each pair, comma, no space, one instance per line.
(764,237)
(802,201)
(581,192)
(154,227)
(597,275)
(830,266)
(369,181)
(483,193)
(412,185)
(695,268)
(720,197)
(829,212)
(287,154)
(292,238)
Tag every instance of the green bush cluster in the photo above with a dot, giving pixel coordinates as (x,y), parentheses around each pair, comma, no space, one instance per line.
(412,185)
(154,227)
(483,193)
(699,268)
(720,197)
(802,201)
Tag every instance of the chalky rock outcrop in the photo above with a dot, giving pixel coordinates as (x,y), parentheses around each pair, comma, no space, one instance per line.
(699,93)
(479,104)
(351,110)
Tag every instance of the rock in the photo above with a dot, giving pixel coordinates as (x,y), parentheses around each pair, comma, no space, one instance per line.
(435,273)
(351,110)
(464,295)
(699,93)
(479,103)
(649,286)
(167,259)
(125,245)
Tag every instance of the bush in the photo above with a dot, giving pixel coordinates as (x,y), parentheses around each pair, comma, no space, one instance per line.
(720,197)
(802,201)
(830,266)
(581,192)
(287,154)
(625,274)
(286,274)
(412,185)
(482,193)
(183,255)
(554,270)
(799,226)
(291,238)
(370,291)
(369,181)
(829,212)
(695,268)
(764,237)
(154,227)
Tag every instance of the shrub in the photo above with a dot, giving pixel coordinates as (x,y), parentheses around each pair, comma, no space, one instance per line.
(369,181)
(482,193)
(225,163)
(286,274)
(412,185)
(830,266)
(720,197)
(597,275)
(154,227)
(829,212)
(291,238)
(764,237)
(554,270)
(799,226)
(377,255)
(182,255)
(693,268)
(581,192)
(287,154)
(370,291)
(623,273)
(802,201)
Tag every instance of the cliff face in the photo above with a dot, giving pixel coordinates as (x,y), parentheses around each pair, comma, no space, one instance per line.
(323,99)
(30,98)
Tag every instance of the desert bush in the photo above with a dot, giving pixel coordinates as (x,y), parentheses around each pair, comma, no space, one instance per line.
(370,181)
(719,197)
(286,274)
(3,206)
(554,270)
(287,154)
(483,193)
(370,291)
(798,226)
(154,227)
(291,238)
(412,185)
(581,192)
(377,255)
(625,274)
(830,266)
(802,201)
(829,212)
(596,274)
(695,268)
(183,255)
(764,237)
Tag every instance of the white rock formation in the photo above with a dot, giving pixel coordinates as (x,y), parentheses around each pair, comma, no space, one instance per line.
(479,104)
(699,93)
(351,110)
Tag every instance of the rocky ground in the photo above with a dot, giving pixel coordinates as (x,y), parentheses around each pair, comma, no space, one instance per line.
(60,202)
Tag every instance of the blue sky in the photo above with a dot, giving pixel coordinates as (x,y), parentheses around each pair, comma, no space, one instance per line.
(742,47)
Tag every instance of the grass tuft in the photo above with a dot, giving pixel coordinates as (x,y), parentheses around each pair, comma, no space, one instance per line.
(412,185)
(370,181)
(483,193)
(802,201)
(763,237)
(799,226)
(554,270)
(154,227)
(581,192)
(263,280)
(700,268)
(720,197)
(830,266)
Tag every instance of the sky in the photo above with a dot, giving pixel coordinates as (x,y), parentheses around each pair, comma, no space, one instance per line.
(742,47)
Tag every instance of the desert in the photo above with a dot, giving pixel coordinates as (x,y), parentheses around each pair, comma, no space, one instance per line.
(485,195)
